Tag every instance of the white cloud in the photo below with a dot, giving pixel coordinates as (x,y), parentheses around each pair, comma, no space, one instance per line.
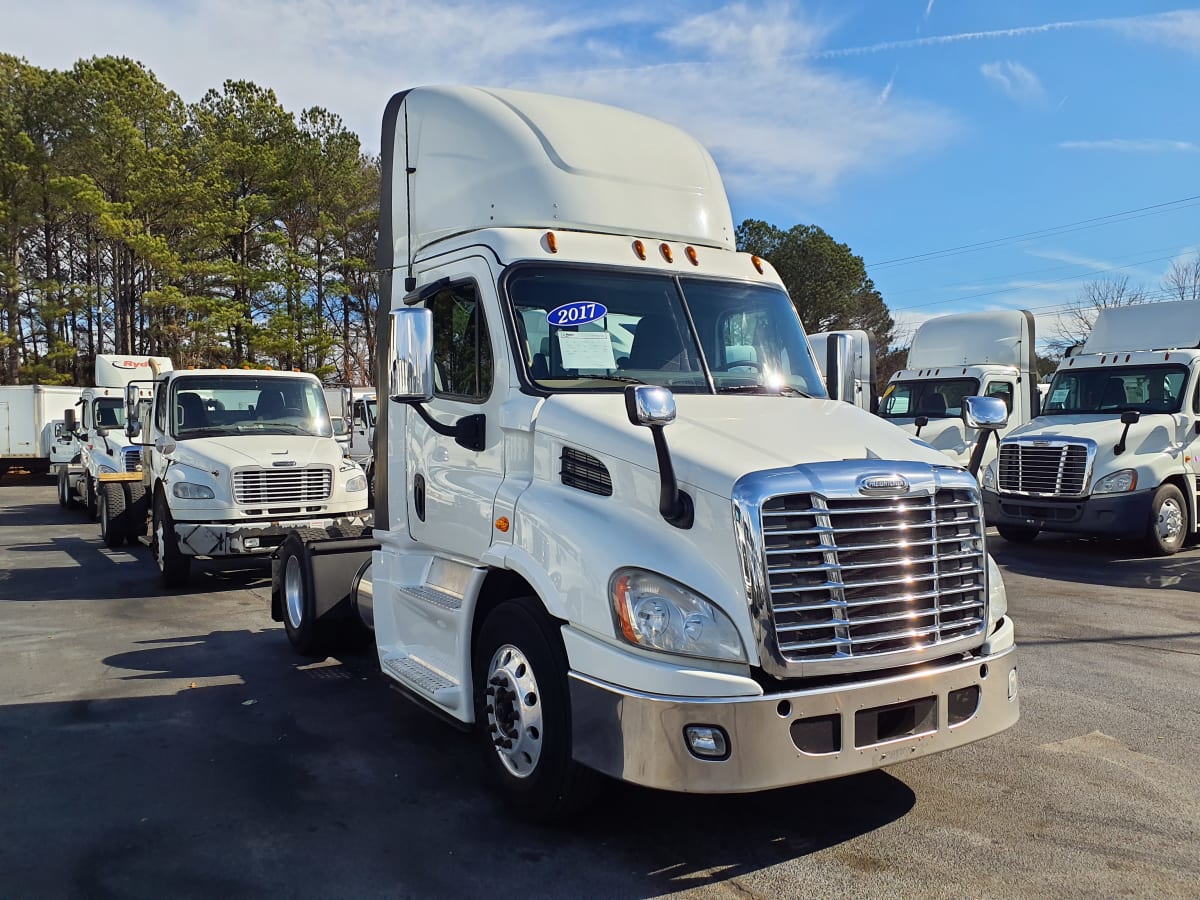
(743,80)
(1127,145)
(1179,29)
(1072,259)
(1014,79)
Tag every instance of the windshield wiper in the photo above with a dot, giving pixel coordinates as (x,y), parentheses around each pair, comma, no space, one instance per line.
(623,379)
(783,390)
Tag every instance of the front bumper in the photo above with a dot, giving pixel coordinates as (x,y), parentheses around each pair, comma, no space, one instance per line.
(843,729)
(254,537)
(1116,515)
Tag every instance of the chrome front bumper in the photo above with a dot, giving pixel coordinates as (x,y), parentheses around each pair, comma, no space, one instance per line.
(247,538)
(849,728)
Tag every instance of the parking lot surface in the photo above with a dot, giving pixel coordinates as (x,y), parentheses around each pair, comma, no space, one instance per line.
(172,744)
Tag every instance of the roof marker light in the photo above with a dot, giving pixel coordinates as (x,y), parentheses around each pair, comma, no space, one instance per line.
(665,249)
(693,258)
(757,264)
(639,249)
(552,241)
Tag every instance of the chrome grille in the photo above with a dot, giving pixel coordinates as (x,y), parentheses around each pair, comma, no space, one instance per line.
(282,487)
(133,459)
(1045,469)
(861,576)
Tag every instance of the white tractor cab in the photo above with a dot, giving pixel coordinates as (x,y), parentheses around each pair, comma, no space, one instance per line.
(235,459)
(784,589)
(108,479)
(987,354)
(1116,449)
(847,358)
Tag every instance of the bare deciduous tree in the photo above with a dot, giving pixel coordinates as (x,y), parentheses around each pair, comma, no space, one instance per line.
(1183,281)
(1076,321)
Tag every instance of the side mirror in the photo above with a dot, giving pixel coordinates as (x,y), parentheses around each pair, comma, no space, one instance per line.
(839,367)
(1130,417)
(164,445)
(649,405)
(986,413)
(341,430)
(410,370)
(347,400)
(133,410)
(654,408)
(70,423)
(920,422)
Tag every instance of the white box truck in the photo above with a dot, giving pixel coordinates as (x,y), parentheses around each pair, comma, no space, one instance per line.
(1116,449)
(31,433)
(984,354)
(232,460)
(785,589)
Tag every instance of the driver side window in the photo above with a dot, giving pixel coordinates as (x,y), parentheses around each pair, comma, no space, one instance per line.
(462,349)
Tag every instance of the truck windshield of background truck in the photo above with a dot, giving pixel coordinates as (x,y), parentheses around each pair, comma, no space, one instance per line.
(935,398)
(692,335)
(1148,389)
(109,412)
(211,406)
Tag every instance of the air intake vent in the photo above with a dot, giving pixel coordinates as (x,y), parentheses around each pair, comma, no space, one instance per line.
(583,471)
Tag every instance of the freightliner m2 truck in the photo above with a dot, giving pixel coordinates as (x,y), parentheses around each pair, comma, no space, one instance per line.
(985,354)
(608,538)
(233,460)
(1116,449)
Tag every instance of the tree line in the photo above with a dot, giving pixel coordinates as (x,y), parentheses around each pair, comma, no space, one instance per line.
(231,231)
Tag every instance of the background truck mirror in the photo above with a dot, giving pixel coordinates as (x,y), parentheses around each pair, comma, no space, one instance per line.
(988,413)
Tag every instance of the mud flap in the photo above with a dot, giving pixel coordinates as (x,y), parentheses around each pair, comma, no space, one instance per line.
(330,566)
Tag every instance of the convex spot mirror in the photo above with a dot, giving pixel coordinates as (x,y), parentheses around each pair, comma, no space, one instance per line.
(133,410)
(987,413)
(410,369)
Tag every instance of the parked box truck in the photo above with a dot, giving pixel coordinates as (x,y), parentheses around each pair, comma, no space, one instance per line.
(31,433)
(619,526)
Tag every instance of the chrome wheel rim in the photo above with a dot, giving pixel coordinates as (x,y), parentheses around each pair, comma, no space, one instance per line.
(293,593)
(514,711)
(103,516)
(160,543)
(1170,521)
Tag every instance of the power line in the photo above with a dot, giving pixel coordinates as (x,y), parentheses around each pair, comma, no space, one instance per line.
(1083,224)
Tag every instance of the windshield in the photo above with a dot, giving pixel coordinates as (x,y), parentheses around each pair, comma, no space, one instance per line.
(599,330)
(109,412)
(207,406)
(1148,389)
(936,398)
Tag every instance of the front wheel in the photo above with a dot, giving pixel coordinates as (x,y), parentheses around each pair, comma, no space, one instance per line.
(65,499)
(522,707)
(174,566)
(1017,534)
(113,514)
(1168,521)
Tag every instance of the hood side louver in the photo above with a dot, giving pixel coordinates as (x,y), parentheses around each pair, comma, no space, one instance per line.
(582,470)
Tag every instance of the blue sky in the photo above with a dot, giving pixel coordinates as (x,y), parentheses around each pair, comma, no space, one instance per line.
(902,127)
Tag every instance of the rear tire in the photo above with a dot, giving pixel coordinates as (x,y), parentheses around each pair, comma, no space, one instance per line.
(1167,528)
(65,500)
(309,636)
(90,502)
(1017,534)
(523,713)
(114,523)
(173,565)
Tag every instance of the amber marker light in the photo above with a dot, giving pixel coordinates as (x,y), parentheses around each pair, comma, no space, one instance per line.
(665,249)
(552,241)
(693,258)
(621,592)
(502,525)
(757,264)
(639,249)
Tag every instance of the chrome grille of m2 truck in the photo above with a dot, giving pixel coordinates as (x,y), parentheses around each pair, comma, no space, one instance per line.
(133,459)
(282,487)
(859,576)
(1043,468)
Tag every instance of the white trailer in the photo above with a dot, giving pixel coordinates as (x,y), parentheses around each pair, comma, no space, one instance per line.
(1116,449)
(847,359)
(31,434)
(985,354)
(786,590)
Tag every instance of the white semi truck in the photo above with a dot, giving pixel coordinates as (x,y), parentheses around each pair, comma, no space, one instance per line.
(1116,449)
(31,432)
(108,479)
(784,590)
(984,354)
(848,361)
(233,460)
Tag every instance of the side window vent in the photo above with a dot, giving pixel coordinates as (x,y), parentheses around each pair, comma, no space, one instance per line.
(583,471)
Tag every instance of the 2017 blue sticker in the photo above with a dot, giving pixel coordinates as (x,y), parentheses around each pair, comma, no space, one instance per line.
(578,313)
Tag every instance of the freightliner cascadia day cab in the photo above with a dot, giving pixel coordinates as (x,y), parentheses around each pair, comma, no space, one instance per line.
(1116,449)
(847,359)
(985,354)
(31,432)
(108,480)
(610,538)
(232,460)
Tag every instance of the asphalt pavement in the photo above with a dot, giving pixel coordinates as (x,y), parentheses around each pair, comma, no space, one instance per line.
(171,744)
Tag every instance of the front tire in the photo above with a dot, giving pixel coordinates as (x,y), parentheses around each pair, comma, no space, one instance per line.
(113,514)
(174,566)
(1168,528)
(523,711)
(65,500)
(1017,534)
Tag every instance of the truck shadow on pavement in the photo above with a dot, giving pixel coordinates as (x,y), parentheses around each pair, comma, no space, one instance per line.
(1104,562)
(226,766)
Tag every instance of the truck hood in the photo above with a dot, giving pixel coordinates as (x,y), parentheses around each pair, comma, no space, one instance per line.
(945,435)
(1104,429)
(266,450)
(715,440)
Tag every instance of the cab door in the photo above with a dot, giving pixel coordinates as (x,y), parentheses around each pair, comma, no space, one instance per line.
(451,488)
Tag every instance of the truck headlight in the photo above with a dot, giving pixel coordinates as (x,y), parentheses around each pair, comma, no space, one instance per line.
(357,483)
(105,470)
(997,595)
(989,478)
(185,490)
(1116,483)
(654,612)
